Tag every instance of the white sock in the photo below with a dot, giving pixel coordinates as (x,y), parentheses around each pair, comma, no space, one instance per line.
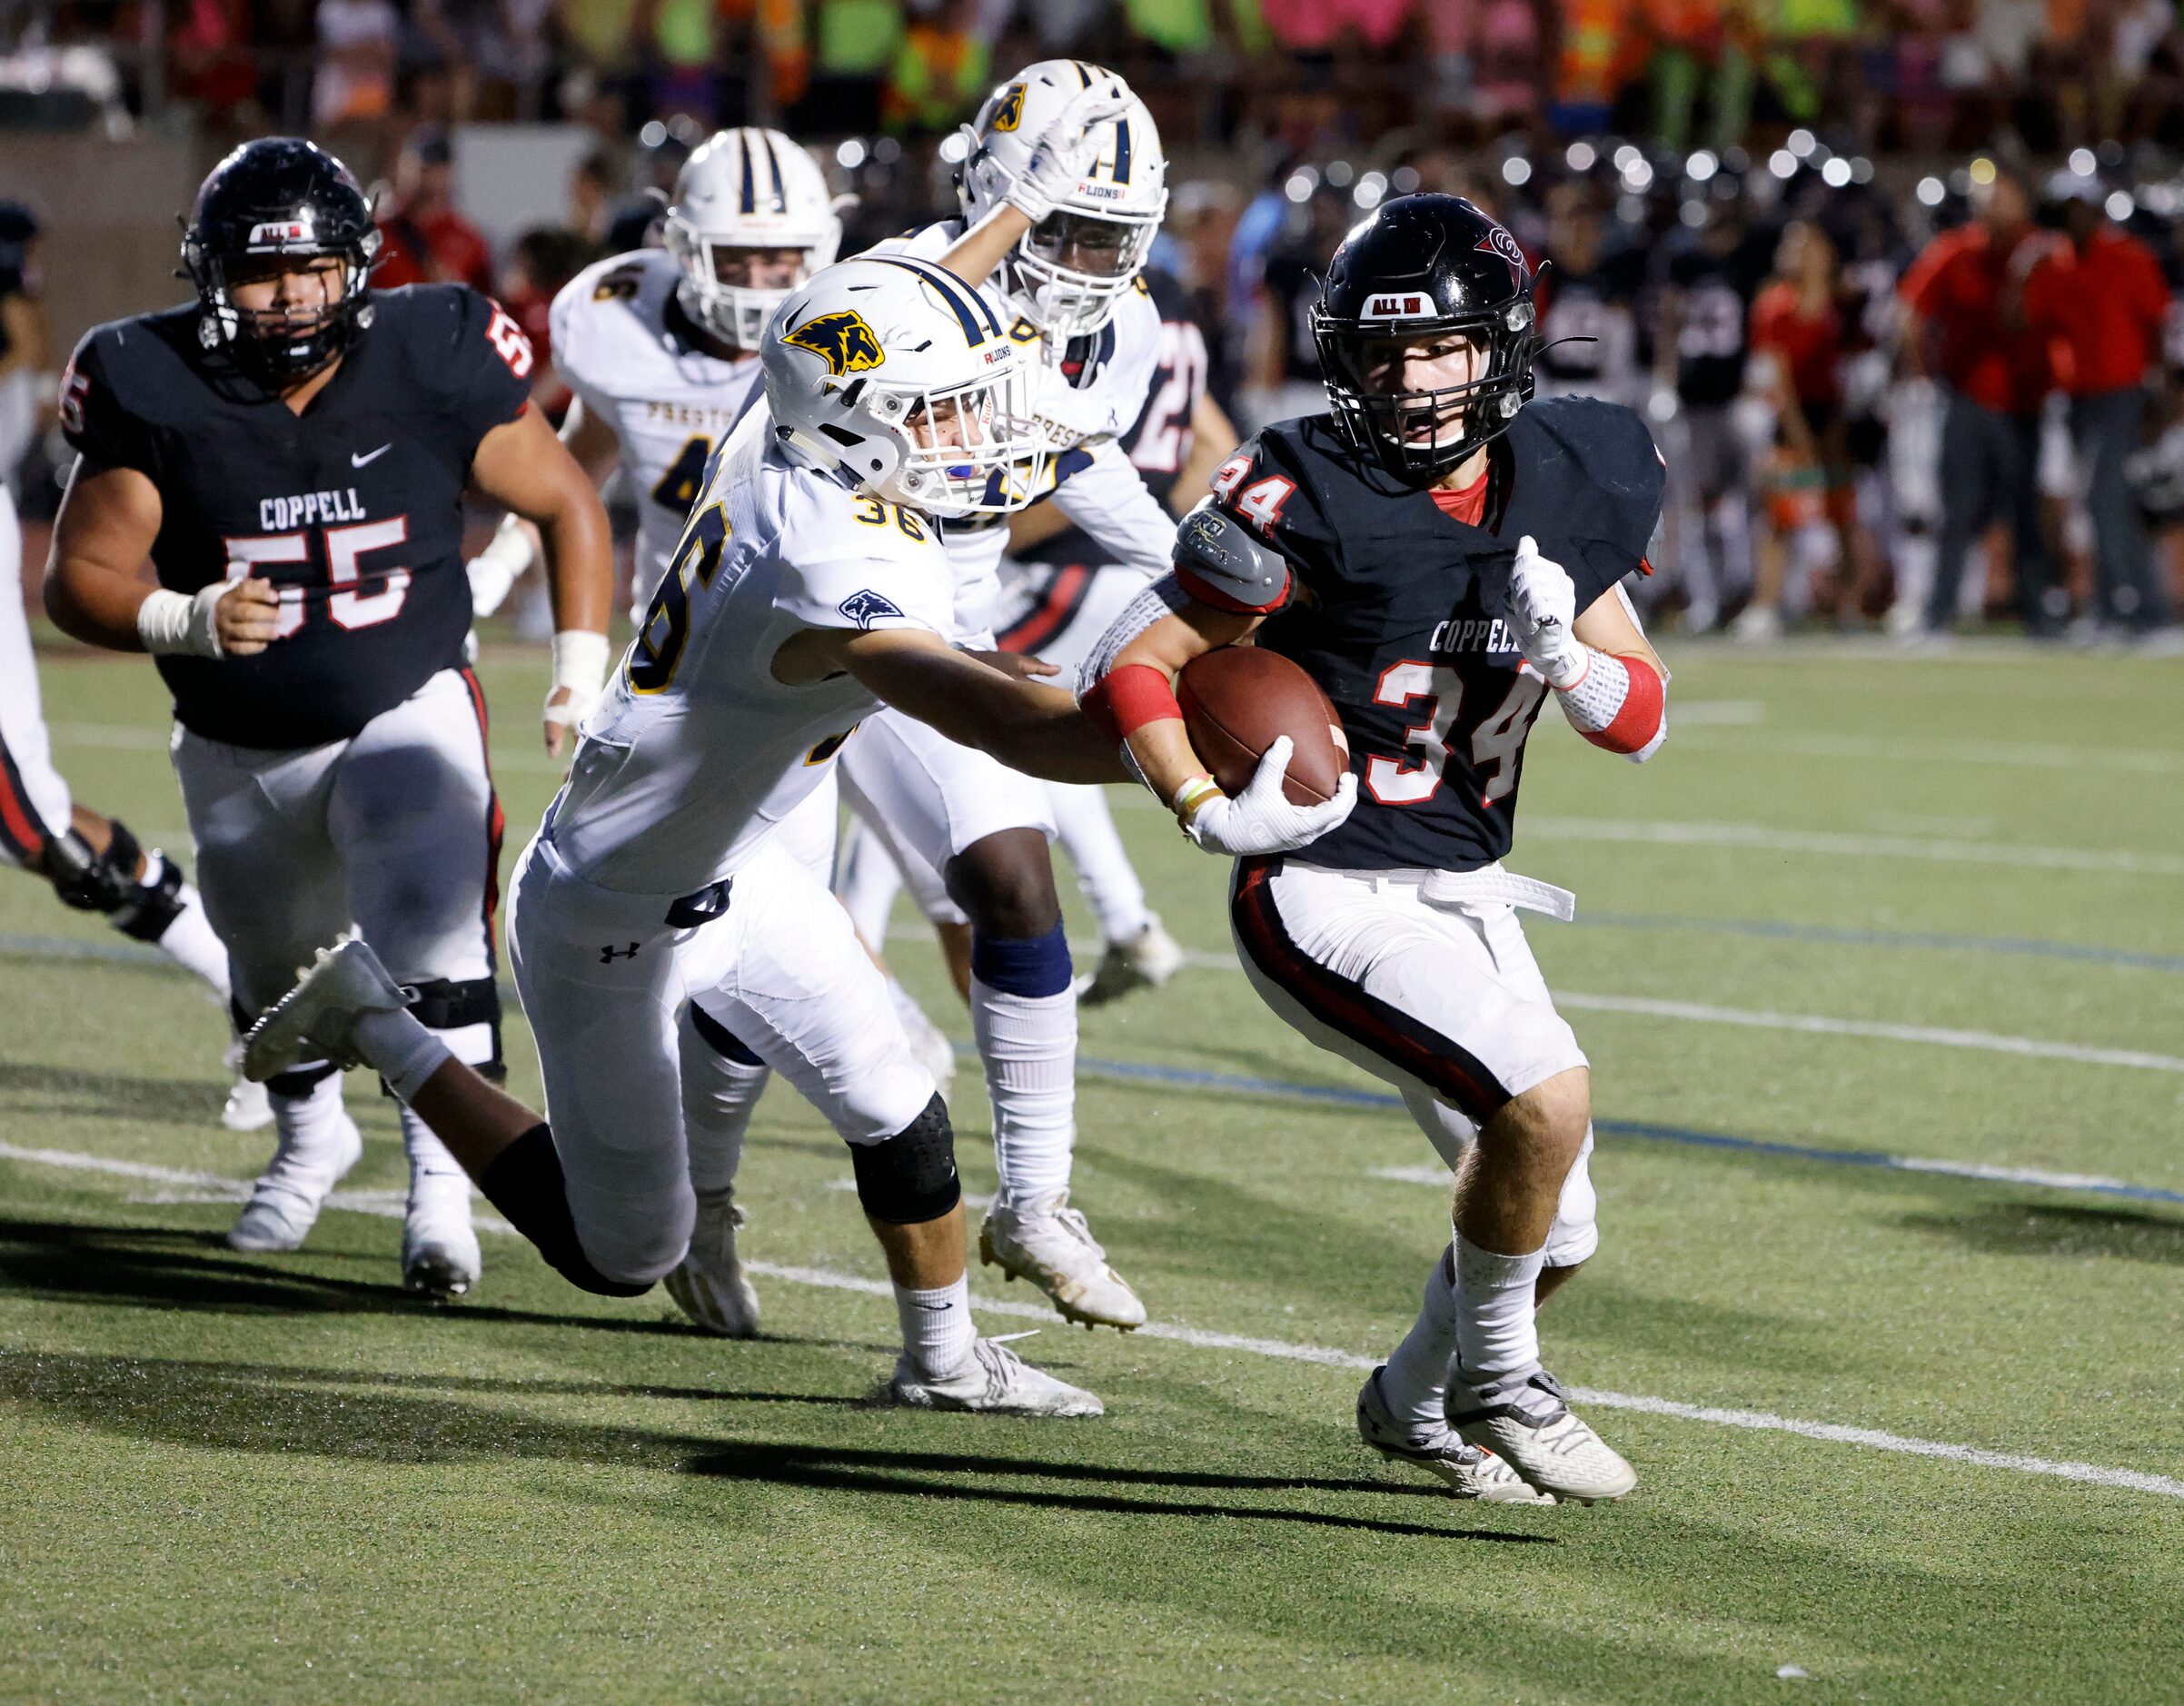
(1104,871)
(936,1329)
(400,1049)
(718,1097)
(190,943)
(433,1170)
(1416,1379)
(309,1128)
(1496,1335)
(1028,1044)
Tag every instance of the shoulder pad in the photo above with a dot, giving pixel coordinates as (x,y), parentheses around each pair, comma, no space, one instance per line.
(1220,551)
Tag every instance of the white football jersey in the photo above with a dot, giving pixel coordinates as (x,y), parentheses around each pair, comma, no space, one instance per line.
(696,752)
(630,355)
(1091,389)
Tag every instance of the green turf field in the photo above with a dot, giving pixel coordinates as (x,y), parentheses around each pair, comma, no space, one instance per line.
(277,1479)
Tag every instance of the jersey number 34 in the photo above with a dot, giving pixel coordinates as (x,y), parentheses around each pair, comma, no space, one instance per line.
(1495,742)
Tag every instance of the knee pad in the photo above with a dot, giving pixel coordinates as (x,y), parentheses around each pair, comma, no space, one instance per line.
(1575,1234)
(445,1004)
(525,1182)
(910,1178)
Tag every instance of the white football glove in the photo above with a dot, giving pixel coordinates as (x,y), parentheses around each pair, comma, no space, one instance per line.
(1067,150)
(1541,611)
(493,571)
(1261,820)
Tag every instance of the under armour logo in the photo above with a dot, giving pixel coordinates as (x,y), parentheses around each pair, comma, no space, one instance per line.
(610,954)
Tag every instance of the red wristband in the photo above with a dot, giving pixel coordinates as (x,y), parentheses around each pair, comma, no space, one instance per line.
(1638,719)
(1127,699)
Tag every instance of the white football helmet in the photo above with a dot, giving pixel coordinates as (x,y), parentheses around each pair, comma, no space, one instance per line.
(901,377)
(746,189)
(1067,271)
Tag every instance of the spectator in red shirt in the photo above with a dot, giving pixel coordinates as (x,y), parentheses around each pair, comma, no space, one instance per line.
(1964,321)
(2100,295)
(423,240)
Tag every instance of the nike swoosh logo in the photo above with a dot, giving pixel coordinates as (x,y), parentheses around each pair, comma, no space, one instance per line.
(935,1309)
(370,456)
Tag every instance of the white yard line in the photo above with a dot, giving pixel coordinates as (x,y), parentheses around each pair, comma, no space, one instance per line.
(2022,755)
(1870,1439)
(1936,1035)
(1988,1172)
(1765,838)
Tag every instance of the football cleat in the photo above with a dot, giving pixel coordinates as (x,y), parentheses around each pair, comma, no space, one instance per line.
(1542,1440)
(285,1202)
(1050,1244)
(710,1285)
(993,1380)
(1145,961)
(439,1246)
(1470,1472)
(248,1108)
(313,1020)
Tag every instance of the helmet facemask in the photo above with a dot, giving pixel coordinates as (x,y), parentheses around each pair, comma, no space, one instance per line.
(278,346)
(1073,266)
(736,313)
(1418,436)
(970,449)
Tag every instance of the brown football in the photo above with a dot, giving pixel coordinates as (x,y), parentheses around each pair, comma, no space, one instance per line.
(1237,700)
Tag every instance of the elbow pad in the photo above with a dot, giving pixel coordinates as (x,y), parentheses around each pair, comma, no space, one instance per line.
(1220,563)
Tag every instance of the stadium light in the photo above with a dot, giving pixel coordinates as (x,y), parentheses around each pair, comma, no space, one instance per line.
(1782,164)
(1516,171)
(1638,176)
(1694,215)
(850,155)
(1580,155)
(1627,157)
(1300,185)
(2120,206)
(2083,162)
(1930,191)
(1702,166)
(1836,172)
(953,147)
(1862,170)
(1339,174)
(1981,171)
(1803,142)
(1405,181)
(1371,191)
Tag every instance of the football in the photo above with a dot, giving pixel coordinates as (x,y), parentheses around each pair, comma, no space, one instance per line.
(1237,700)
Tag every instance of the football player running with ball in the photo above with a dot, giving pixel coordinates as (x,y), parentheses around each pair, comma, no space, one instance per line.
(810,587)
(1438,557)
(291,451)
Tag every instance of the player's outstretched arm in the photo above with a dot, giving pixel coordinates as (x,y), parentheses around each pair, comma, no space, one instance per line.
(1065,151)
(522,465)
(1029,726)
(99,586)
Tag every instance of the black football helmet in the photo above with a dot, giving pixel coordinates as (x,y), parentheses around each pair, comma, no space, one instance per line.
(1425,266)
(278,195)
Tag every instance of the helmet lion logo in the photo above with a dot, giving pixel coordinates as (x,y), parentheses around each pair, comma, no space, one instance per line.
(842,339)
(1009,113)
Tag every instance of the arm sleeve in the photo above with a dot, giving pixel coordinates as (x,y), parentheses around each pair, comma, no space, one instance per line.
(1108,498)
(493,363)
(95,421)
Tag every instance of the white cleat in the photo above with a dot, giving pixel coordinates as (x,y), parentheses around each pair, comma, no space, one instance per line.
(1470,1472)
(993,1380)
(1145,961)
(313,1020)
(1542,1440)
(1050,1244)
(285,1203)
(248,1108)
(439,1255)
(710,1285)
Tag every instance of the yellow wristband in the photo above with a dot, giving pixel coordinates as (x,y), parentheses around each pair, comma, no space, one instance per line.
(1193,794)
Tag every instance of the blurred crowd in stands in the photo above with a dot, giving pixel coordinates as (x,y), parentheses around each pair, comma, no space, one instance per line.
(1895,284)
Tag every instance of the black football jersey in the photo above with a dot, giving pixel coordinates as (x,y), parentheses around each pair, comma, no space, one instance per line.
(1715,291)
(1394,608)
(353,508)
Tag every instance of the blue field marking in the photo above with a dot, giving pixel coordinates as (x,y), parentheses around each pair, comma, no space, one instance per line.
(1779,930)
(1383,1101)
